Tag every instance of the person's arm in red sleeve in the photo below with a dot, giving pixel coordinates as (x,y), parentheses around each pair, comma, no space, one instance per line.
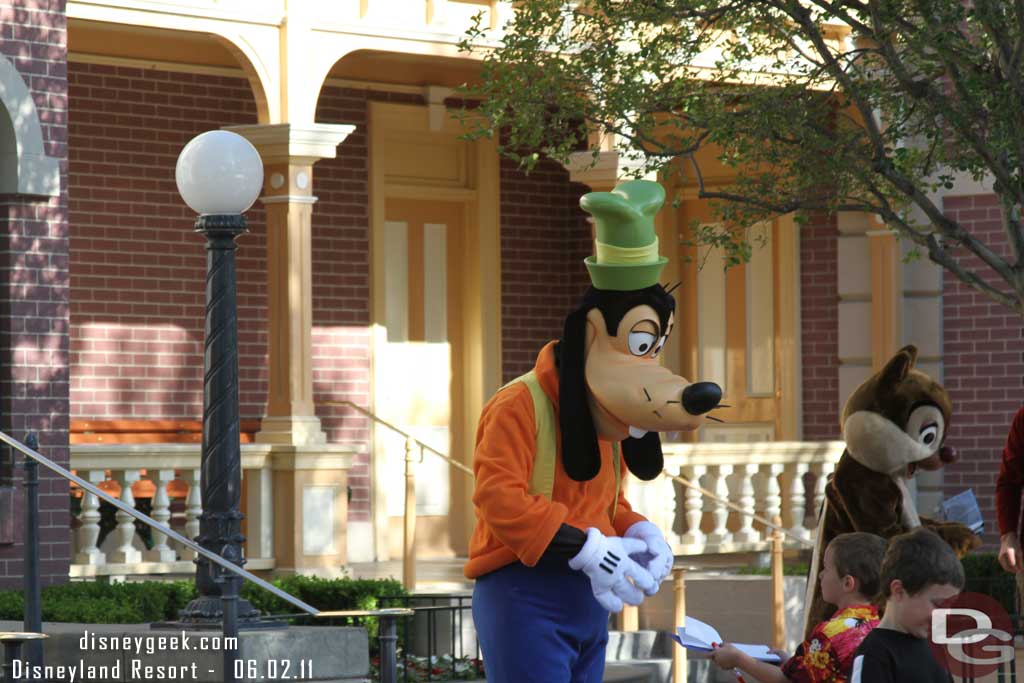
(1009,485)
(502,464)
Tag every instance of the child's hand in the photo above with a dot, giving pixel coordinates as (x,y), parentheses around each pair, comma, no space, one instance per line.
(781,654)
(726,656)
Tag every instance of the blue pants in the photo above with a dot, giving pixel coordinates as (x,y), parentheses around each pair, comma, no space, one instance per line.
(540,625)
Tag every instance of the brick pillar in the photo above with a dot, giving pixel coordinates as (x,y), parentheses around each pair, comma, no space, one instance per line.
(34,314)
(819,312)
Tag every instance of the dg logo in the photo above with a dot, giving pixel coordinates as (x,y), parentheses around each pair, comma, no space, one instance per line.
(972,635)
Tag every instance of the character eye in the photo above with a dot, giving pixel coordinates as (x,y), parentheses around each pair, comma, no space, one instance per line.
(661,344)
(641,343)
(926,425)
(929,433)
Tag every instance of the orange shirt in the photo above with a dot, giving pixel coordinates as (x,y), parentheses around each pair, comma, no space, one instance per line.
(512,524)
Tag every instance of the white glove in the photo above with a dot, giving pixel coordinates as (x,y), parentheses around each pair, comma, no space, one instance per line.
(659,557)
(605,560)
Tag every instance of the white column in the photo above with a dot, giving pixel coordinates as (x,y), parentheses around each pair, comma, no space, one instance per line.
(193,508)
(717,475)
(693,506)
(260,506)
(88,552)
(771,503)
(745,488)
(161,512)
(797,499)
(666,493)
(821,471)
(126,552)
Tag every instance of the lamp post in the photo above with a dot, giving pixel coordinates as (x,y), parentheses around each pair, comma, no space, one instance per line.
(219,175)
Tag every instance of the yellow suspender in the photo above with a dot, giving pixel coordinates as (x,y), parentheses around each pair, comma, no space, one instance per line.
(542,481)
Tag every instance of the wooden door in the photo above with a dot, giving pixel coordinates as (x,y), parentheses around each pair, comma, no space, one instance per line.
(416,378)
(732,319)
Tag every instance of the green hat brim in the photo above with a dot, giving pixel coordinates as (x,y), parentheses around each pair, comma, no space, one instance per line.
(624,277)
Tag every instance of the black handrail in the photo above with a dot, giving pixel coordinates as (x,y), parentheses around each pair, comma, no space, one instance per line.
(162,528)
(33,605)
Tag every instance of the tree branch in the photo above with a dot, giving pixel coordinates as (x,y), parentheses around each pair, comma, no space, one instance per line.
(938,254)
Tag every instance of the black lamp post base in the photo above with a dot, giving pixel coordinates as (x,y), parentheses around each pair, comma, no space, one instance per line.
(207,613)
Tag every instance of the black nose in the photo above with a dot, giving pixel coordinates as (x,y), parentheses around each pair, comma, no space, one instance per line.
(701,397)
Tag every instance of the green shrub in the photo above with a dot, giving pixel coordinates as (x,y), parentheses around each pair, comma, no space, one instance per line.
(12,606)
(328,595)
(101,602)
(324,594)
(796,569)
(985,576)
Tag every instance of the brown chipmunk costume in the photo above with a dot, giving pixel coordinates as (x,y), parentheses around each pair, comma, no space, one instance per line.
(893,424)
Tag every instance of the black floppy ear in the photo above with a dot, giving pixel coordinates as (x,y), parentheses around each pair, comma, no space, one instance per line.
(643,456)
(580,455)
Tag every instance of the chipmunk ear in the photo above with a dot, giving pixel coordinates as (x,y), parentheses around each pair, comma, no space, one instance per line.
(643,456)
(581,456)
(895,371)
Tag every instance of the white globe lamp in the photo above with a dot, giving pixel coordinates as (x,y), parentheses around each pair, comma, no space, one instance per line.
(219,173)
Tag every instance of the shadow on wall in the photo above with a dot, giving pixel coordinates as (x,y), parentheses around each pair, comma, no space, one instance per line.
(137,267)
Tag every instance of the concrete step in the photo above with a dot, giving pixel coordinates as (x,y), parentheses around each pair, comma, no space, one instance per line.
(638,645)
(659,670)
(646,657)
(638,671)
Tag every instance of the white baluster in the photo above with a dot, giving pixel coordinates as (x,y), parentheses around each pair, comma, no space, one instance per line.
(798,499)
(126,552)
(161,552)
(693,507)
(745,488)
(821,471)
(260,516)
(193,508)
(771,503)
(88,552)
(717,475)
(665,491)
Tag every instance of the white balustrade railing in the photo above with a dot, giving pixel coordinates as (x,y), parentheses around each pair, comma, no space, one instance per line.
(122,551)
(767,479)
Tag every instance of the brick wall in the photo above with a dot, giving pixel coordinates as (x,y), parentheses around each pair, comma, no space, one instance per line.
(544,239)
(137,267)
(819,334)
(34,288)
(983,362)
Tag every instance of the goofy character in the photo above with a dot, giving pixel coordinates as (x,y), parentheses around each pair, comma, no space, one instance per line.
(556,545)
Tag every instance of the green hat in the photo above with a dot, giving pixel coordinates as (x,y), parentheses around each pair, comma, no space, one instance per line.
(627,246)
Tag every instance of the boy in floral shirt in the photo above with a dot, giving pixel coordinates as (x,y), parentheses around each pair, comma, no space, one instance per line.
(849,579)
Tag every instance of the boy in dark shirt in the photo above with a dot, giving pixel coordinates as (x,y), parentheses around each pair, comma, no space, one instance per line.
(919,573)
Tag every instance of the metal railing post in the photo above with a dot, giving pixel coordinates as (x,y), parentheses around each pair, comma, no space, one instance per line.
(778,589)
(229,608)
(33,591)
(12,653)
(409,534)
(679,665)
(13,642)
(388,636)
